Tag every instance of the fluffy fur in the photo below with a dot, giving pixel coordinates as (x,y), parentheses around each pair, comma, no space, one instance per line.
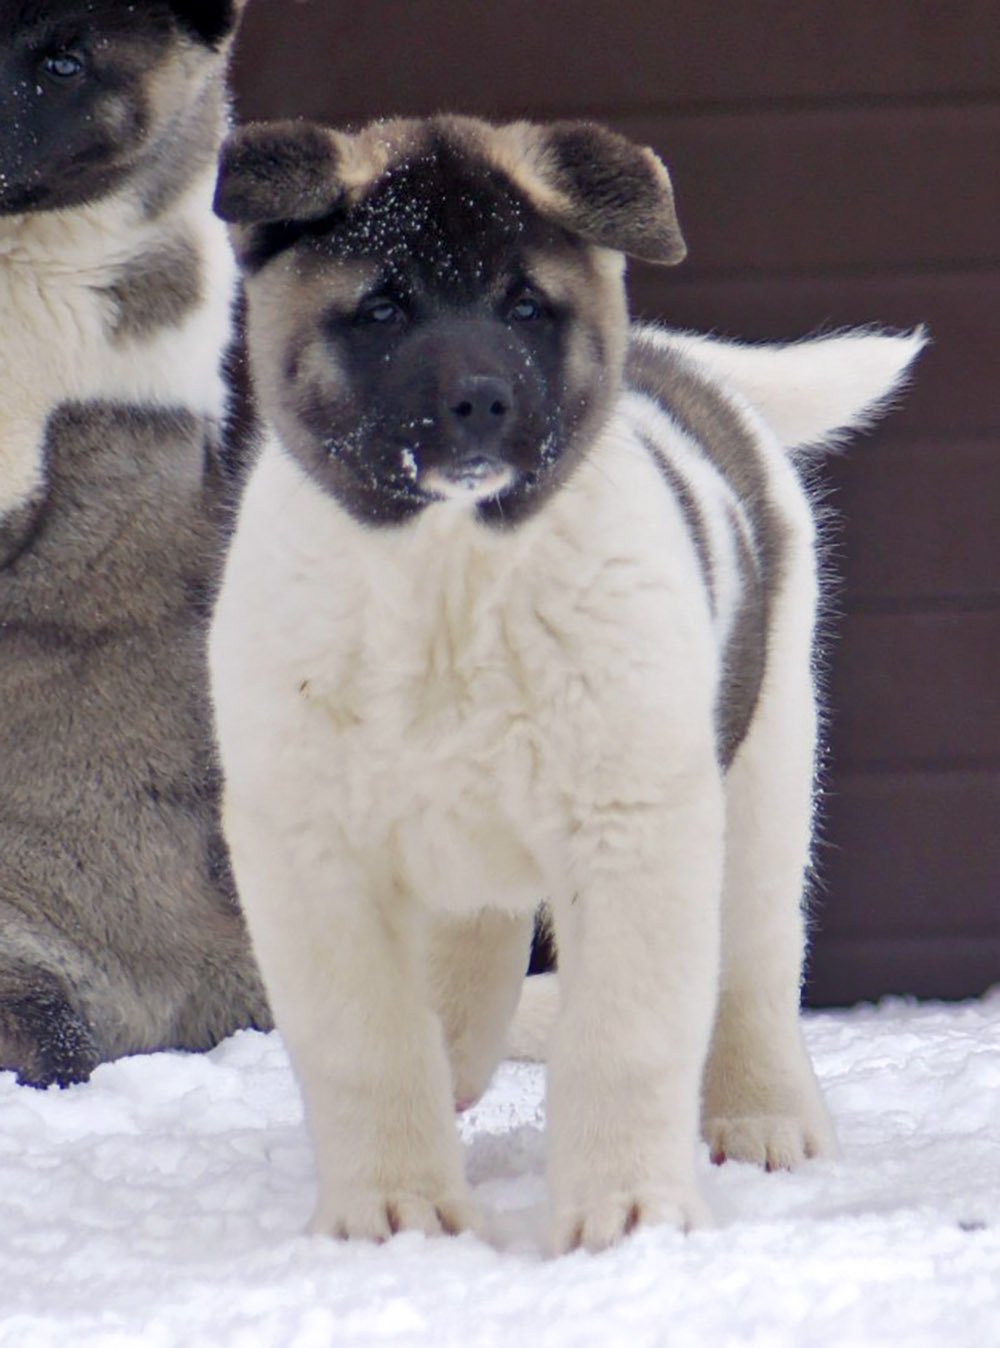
(565,652)
(119,929)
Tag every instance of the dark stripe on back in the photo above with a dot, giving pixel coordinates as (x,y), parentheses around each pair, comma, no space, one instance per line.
(709,418)
(744,657)
(692,515)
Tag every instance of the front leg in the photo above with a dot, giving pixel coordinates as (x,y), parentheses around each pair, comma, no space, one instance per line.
(638,950)
(342,958)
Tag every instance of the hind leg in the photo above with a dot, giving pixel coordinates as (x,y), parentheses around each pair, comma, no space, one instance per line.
(761,1100)
(477,967)
(44,1038)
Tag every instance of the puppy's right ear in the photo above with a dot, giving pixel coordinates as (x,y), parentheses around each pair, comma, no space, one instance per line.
(271,172)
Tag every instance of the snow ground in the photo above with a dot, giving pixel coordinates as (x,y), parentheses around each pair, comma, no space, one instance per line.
(161,1205)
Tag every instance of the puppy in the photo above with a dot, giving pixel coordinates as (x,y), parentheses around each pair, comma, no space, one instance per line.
(119,930)
(520,602)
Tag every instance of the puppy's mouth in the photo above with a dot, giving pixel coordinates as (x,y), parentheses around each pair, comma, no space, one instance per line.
(470,479)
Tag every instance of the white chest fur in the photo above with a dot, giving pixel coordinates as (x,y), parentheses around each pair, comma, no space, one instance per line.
(452,698)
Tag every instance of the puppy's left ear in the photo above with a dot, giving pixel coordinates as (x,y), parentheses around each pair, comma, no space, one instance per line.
(604,187)
(210,20)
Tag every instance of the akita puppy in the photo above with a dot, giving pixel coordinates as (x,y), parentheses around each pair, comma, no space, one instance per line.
(119,930)
(520,602)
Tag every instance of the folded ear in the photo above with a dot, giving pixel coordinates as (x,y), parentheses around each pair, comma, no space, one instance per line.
(210,20)
(278,171)
(602,186)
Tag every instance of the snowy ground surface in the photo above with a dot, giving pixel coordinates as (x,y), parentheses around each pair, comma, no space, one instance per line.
(161,1205)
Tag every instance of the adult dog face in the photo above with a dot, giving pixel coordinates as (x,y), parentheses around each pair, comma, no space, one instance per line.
(432,325)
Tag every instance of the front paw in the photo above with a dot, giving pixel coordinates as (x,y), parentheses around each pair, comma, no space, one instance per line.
(371,1214)
(773,1141)
(599,1220)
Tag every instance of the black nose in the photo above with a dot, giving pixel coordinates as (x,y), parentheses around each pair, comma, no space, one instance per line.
(481,407)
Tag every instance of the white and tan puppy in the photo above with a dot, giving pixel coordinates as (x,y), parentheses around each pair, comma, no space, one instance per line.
(520,602)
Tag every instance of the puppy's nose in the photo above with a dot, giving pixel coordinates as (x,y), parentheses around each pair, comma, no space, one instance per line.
(481,407)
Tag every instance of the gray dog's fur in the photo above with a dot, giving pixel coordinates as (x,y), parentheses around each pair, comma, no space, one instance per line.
(119,928)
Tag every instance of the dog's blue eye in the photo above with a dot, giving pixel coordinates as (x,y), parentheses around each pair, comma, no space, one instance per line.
(379,311)
(526,309)
(63,65)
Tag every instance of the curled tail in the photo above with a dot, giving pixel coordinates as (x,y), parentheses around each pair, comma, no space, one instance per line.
(813,392)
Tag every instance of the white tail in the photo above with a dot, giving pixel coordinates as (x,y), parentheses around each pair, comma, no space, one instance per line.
(812,392)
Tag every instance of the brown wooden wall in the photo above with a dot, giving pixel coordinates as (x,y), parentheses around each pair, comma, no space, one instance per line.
(835,162)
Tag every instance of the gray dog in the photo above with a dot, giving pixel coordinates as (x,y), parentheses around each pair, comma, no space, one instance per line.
(119,931)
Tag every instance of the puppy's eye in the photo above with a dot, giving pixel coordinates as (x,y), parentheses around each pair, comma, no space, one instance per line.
(525,308)
(379,310)
(63,65)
